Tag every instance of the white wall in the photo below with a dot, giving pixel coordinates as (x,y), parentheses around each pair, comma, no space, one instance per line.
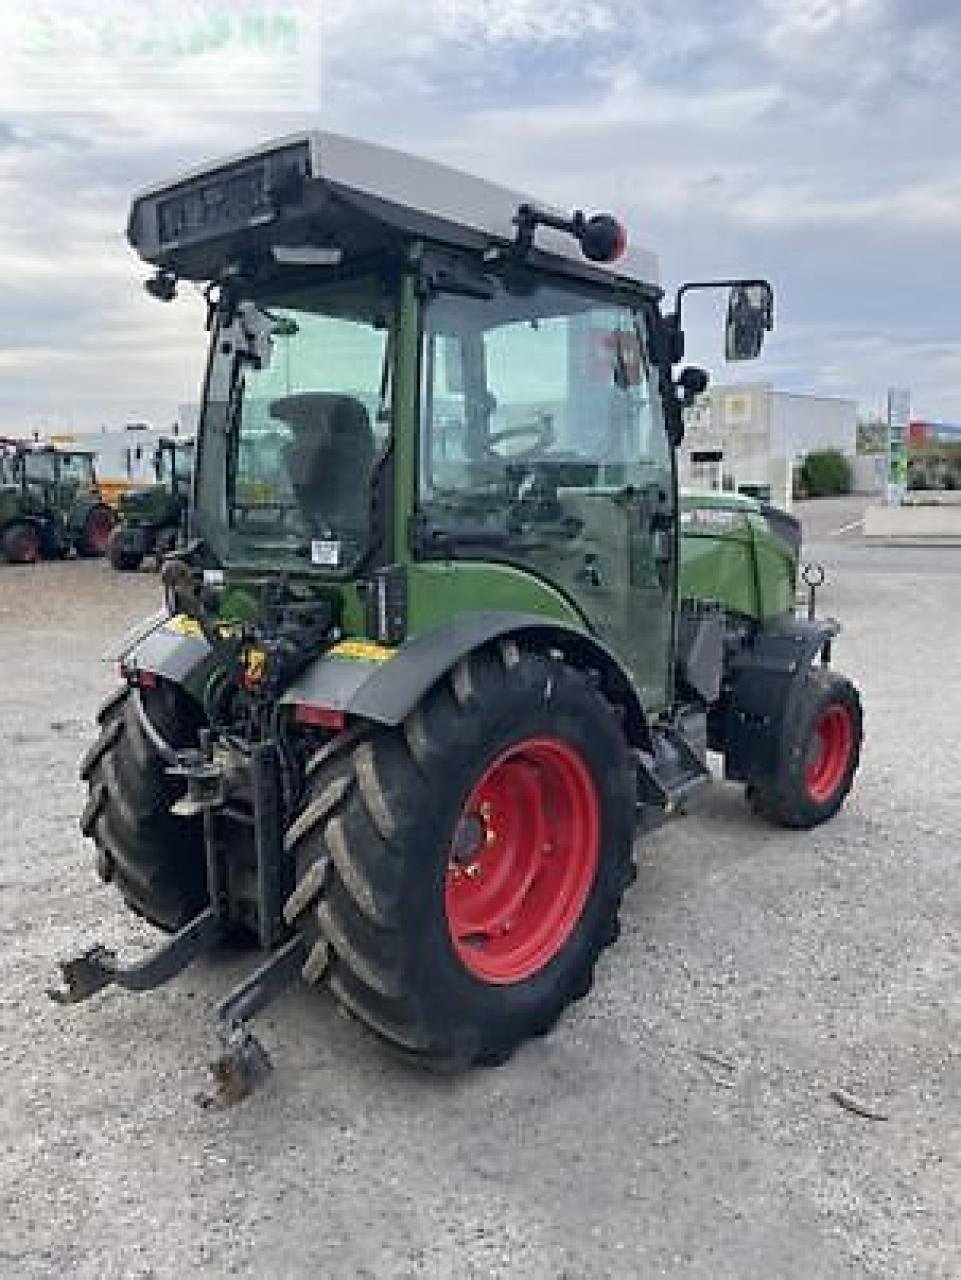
(800,424)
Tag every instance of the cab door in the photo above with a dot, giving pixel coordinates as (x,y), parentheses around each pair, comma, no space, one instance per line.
(565,399)
(613,469)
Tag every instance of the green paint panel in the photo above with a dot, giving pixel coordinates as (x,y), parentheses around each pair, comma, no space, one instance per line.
(150,507)
(440,591)
(731,557)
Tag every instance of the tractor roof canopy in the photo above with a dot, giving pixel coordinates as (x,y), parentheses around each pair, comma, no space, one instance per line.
(312,191)
(11,444)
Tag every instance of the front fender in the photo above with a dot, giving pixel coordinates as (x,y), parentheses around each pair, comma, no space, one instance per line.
(749,724)
(384,685)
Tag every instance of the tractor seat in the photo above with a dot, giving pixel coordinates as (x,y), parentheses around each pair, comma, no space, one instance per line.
(329,460)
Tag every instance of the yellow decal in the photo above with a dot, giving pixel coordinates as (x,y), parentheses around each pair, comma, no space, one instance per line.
(255,663)
(365,650)
(181,625)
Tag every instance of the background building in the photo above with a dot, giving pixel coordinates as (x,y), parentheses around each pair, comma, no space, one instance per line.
(749,437)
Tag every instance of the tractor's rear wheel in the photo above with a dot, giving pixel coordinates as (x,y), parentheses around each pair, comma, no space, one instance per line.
(97,528)
(458,877)
(155,858)
(22,544)
(820,753)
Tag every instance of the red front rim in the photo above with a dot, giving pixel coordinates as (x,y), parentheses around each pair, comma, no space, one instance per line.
(99,529)
(523,860)
(831,746)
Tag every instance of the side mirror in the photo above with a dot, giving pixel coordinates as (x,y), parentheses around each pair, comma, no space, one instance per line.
(750,314)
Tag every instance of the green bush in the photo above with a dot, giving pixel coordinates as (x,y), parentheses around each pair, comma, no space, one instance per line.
(825,473)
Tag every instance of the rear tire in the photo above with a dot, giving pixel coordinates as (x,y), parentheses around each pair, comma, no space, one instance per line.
(94,541)
(155,858)
(820,753)
(119,555)
(393,824)
(22,544)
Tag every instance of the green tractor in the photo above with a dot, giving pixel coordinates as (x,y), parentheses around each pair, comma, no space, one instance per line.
(442,640)
(50,503)
(152,519)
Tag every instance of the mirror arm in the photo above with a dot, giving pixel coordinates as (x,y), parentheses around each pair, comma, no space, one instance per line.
(699,285)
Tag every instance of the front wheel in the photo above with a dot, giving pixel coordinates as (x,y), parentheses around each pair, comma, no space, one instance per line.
(121,552)
(820,753)
(459,877)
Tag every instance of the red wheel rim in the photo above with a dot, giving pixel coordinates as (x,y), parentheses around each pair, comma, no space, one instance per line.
(99,529)
(523,860)
(831,746)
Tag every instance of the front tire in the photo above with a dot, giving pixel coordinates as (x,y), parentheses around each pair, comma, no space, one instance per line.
(820,753)
(119,552)
(458,877)
(155,858)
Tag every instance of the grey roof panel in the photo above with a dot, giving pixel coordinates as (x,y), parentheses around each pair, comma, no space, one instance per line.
(352,191)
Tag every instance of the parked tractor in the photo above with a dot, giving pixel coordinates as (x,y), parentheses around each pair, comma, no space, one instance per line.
(50,503)
(425,667)
(152,519)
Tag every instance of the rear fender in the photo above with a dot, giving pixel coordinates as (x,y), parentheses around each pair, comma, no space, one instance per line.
(172,648)
(384,685)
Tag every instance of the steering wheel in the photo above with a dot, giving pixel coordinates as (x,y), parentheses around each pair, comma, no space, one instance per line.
(540,432)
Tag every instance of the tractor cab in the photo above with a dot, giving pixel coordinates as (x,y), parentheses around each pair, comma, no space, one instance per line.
(173,464)
(63,474)
(152,518)
(412,368)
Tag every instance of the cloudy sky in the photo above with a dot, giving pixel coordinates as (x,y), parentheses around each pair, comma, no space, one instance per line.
(815,141)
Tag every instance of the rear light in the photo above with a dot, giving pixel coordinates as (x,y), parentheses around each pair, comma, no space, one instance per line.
(137,677)
(318,717)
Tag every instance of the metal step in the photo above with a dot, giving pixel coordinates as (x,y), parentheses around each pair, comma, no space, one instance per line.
(673,772)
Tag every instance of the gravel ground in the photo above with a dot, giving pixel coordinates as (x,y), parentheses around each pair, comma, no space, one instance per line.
(804,962)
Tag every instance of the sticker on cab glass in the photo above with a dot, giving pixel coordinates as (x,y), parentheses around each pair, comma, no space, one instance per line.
(325,552)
